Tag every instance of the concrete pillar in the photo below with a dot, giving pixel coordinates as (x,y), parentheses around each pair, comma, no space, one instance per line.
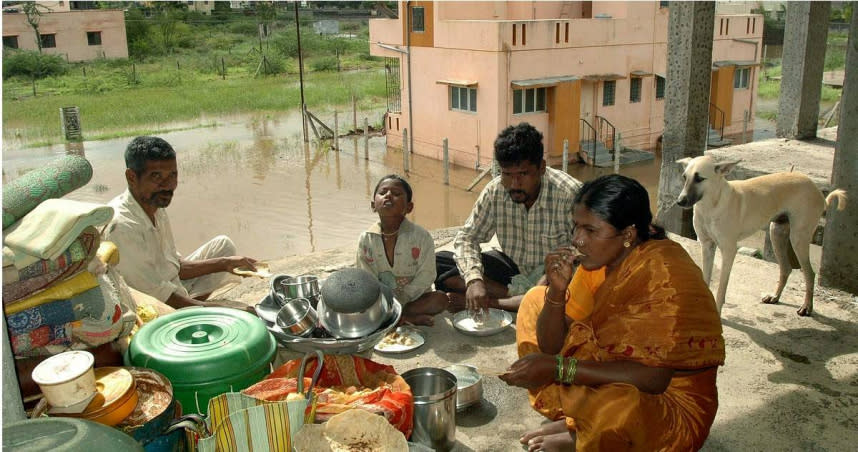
(686,114)
(13,406)
(803,62)
(839,247)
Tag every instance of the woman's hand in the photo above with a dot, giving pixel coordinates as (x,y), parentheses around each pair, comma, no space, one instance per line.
(531,371)
(559,268)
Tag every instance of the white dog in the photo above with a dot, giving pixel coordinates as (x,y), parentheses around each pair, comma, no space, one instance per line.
(726,212)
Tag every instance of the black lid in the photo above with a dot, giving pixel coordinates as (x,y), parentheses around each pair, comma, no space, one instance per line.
(350,290)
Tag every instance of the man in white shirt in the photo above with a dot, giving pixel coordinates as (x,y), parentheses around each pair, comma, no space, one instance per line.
(148,259)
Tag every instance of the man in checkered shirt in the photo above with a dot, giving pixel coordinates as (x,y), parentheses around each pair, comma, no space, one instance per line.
(529,207)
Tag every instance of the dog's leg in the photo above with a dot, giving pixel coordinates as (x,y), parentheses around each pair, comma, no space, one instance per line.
(728,254)
(707,245)
(779,233)
(801,245)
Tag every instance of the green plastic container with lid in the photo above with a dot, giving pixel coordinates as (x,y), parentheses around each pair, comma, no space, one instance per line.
(205,352)
(61,434)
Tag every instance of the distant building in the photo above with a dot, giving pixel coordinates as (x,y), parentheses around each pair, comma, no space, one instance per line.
(573,69)
(71,29)
(204,7)
(326,27)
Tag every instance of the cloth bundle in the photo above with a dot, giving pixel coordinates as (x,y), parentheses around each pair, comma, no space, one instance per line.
(36,277)
(59,293)
(380,389)
(54,180)
(47,231)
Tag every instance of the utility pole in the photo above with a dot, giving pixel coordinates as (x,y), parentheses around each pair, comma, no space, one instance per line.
(301,75)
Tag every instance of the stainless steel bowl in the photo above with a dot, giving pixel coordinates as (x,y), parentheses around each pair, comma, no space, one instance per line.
(297,317)
(304,286)
(350,325)
(469,385)
(338,346)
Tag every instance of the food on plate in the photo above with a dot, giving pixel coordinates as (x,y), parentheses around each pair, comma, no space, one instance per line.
(487,323)
(395,338)
(351,431)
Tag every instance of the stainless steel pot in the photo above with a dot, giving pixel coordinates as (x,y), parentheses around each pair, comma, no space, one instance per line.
(349,325)
(434,392)
(304,286)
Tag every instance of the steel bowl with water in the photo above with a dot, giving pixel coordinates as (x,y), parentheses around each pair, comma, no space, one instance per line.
(469,385)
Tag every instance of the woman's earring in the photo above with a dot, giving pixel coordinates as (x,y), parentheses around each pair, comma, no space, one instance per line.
(627,244)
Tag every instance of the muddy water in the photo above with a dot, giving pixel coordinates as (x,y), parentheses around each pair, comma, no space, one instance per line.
(256,181)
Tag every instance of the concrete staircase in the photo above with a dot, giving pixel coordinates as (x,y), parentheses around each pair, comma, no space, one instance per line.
(714,140)
(596,156)
(604,157)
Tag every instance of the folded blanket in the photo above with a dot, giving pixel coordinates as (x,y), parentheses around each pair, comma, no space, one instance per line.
(53,180)
(68,265)
(103,314)
(52,226)
(51,314)
(27,344)
(75,285)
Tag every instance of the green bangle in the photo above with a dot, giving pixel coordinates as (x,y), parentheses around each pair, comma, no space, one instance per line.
(571,369)
(560,368)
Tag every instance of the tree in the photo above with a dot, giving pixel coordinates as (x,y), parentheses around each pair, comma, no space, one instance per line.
(32,64)
(168,16)
(34,12)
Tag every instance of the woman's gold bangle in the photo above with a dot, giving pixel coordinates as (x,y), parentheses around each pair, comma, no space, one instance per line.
(551,302)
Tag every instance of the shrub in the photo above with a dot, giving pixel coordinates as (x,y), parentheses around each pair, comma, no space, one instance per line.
(32,64)
(324,64)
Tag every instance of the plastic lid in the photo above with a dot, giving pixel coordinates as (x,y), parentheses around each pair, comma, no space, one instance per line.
(58,434)
(63,367)
(202,345)
(350,290)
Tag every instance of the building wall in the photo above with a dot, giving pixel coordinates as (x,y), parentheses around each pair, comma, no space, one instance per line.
(201,6)
(70,28)
(483,49)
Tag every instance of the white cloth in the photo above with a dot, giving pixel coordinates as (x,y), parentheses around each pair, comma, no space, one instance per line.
(413,270)
(148,259)
(50,228)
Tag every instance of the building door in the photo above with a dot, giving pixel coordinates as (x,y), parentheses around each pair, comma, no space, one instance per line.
(563,116)
(587,100)
(721,97)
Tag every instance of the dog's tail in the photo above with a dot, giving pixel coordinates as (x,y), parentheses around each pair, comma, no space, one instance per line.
(840,194)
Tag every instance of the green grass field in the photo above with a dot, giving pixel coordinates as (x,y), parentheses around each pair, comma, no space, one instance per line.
(145,109)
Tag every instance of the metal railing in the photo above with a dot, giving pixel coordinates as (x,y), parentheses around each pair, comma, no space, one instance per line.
(588,135)
(716,119)
(607,133)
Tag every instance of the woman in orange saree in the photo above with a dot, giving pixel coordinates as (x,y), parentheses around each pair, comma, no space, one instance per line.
(627,362)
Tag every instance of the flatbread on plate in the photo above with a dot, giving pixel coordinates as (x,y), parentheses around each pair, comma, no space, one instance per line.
(354,430)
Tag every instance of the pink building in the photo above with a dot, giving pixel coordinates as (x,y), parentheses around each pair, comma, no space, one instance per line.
(575,70)
(71,29)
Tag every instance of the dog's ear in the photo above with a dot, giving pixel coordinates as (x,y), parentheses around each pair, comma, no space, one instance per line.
(684,161)
(724,168)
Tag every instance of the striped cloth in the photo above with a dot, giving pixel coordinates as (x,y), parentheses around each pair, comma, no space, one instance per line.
(242,423)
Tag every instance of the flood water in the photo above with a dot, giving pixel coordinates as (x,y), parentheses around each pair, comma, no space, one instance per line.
(255,180)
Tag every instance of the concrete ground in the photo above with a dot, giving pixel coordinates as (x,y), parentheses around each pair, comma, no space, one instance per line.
(789,382)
